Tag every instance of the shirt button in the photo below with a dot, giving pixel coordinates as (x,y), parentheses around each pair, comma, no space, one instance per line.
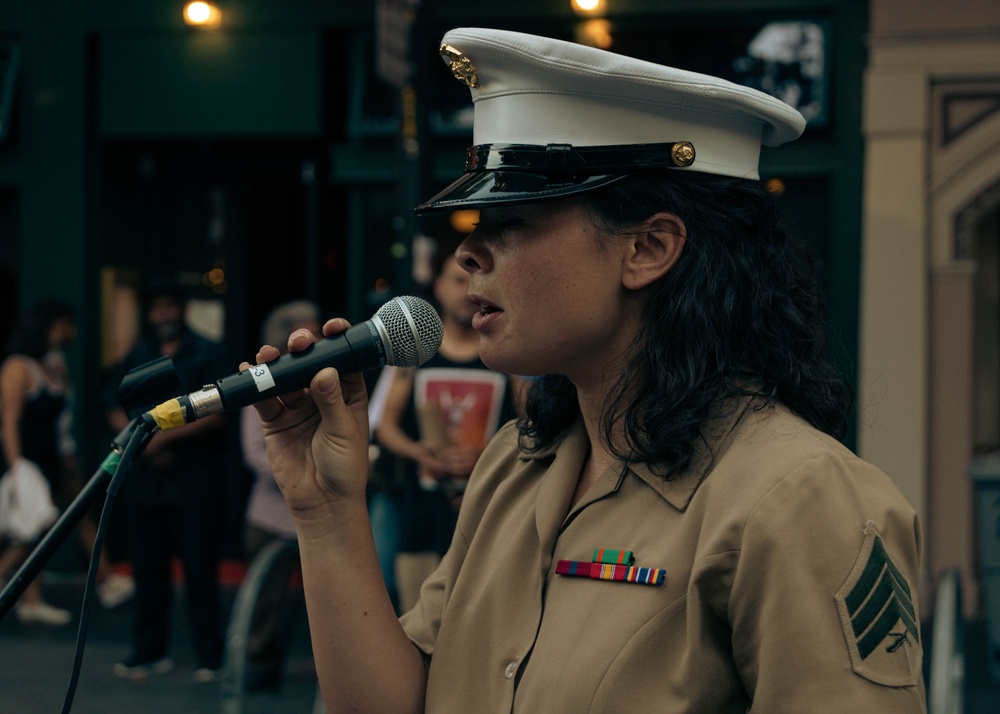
(509,671)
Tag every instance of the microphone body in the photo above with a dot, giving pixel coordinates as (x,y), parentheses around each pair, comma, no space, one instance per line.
(405,332)
(357,349)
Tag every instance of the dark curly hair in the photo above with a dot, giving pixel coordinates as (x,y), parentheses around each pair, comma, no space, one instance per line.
(31,332)
(738,315)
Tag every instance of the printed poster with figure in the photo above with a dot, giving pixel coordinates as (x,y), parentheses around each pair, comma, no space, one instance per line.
(468,403)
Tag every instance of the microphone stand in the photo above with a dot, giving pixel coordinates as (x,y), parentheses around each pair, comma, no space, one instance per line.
(71,517)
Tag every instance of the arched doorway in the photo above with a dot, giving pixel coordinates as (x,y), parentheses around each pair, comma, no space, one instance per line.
(964,330)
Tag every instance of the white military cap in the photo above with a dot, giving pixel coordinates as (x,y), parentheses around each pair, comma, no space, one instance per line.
(555,118)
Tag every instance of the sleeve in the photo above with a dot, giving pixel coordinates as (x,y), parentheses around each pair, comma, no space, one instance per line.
(423,622)
(252,445)
(376,403)
(823,605)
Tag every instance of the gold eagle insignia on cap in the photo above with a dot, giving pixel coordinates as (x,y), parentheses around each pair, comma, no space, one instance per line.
(682,153)
(461,66)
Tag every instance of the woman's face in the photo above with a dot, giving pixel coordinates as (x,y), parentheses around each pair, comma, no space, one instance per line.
(451,290)
(549,288)
(62,332)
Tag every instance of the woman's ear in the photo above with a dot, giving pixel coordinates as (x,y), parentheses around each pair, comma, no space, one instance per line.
(654,248)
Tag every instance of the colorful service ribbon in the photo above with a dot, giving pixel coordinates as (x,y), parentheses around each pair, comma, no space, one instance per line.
(613,557)
(576,568)
(606,571)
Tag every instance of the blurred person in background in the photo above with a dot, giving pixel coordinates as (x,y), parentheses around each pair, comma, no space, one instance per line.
(33,401)
(385,480)
(36,425)
(438,418)
(173,498)
(267,518)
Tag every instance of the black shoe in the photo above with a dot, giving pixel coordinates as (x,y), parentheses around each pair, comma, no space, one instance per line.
(263,677)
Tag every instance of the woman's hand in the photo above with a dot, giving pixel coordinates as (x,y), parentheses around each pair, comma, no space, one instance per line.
(428,463)
(317,438)
(458,460)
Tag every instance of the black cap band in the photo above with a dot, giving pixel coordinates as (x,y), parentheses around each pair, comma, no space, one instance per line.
(566,159)
(515,173)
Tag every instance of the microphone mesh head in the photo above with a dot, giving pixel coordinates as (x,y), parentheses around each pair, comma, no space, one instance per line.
(414,329)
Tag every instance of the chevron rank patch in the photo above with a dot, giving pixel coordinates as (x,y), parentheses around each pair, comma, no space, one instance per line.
(879,618)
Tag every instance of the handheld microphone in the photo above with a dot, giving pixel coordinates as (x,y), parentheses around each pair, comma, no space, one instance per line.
(405,332)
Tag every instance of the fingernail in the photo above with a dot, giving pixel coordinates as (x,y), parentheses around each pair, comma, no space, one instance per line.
(326,384)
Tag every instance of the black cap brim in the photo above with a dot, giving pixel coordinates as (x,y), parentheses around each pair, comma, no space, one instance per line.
(492,188)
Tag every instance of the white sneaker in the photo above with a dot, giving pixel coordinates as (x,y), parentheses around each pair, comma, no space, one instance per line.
(42,613)
(136,671)
(207,675)
(116,590)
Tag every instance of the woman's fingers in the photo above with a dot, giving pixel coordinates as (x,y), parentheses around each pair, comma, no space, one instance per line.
(335,325)
(300,340)
(351,392)
(269,408)
(333,397)
(267,353)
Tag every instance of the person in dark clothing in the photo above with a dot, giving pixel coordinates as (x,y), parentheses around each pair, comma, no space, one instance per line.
(173,498)
(437,418)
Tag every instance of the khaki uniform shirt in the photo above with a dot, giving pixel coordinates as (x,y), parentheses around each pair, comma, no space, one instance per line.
(791,572)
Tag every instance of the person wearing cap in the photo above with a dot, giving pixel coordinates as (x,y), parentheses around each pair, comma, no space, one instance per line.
(674,525)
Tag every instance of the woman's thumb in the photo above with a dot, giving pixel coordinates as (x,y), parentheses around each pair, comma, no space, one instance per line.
(328,395)
(326,390)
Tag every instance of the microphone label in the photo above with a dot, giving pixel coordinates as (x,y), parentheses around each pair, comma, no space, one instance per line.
(377,340)
(261,377)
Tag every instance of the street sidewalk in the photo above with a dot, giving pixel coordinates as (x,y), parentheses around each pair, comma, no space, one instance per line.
(36,663)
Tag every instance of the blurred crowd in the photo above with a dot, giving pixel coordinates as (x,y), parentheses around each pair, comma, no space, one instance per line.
(174,509)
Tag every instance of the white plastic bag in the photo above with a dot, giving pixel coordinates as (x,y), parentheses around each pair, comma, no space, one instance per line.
(26,507)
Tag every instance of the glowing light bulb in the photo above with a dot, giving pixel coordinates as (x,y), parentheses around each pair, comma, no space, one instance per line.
(202,14)
(588,7)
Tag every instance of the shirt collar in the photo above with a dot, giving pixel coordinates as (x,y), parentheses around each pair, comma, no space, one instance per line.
(679,489)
